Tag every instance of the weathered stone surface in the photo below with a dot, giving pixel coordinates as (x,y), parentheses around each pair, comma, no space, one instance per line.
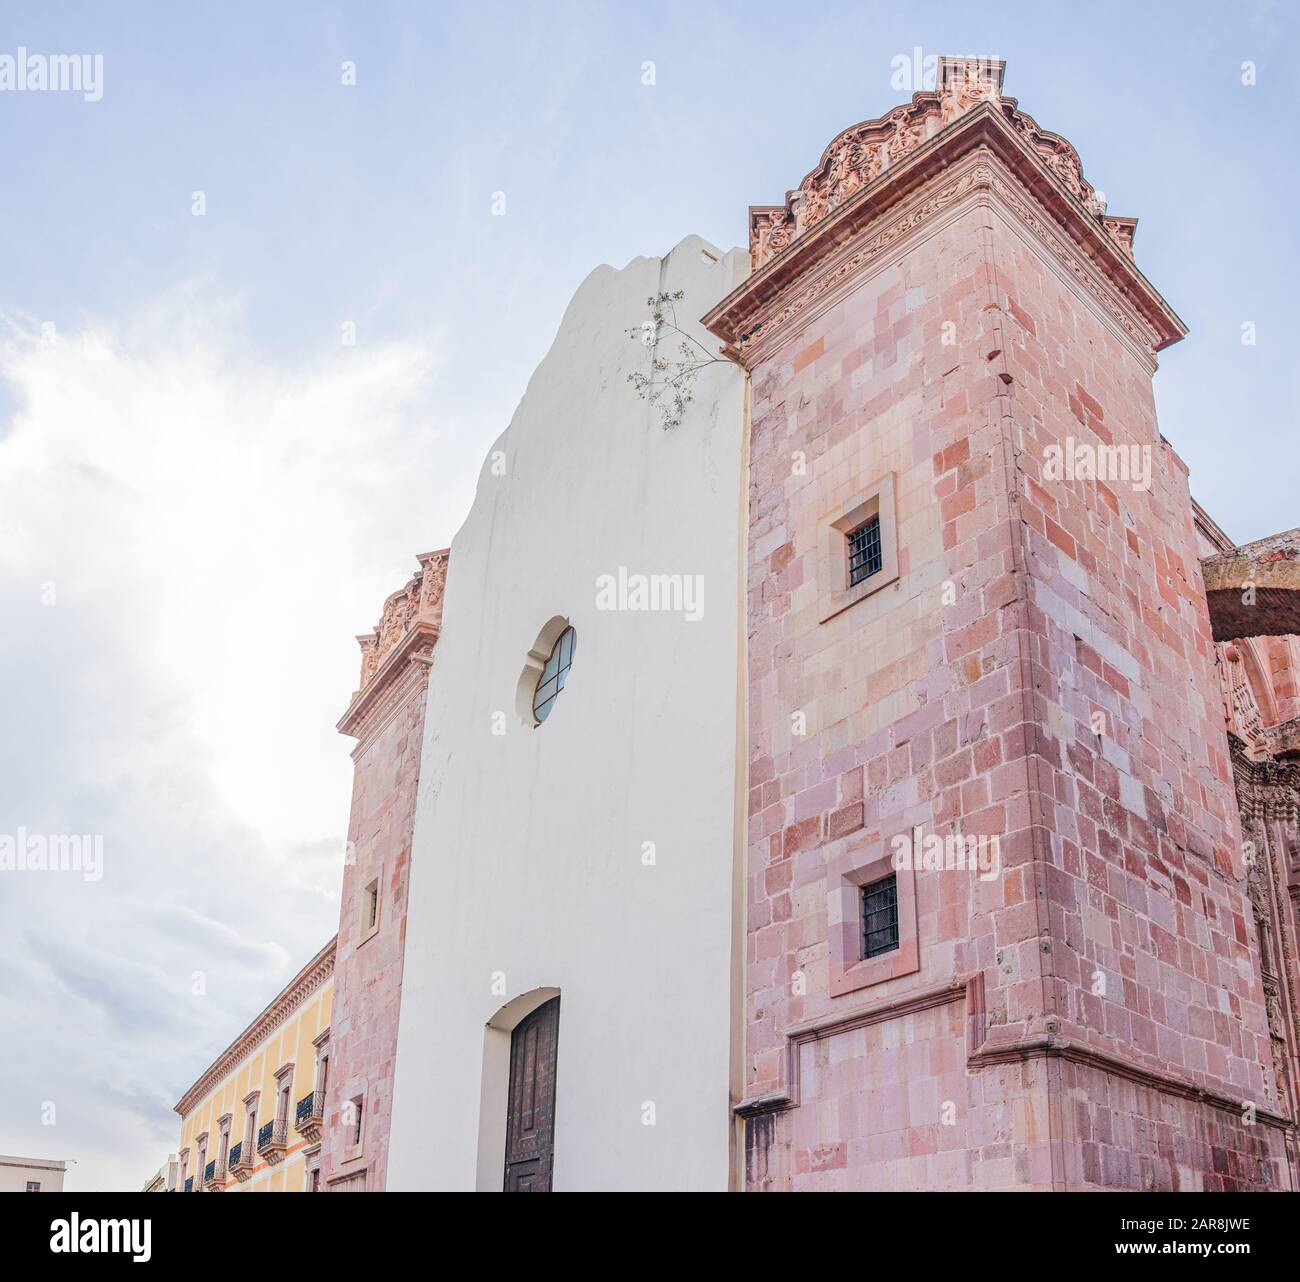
(1042,672)
(1254,590)
(387,718)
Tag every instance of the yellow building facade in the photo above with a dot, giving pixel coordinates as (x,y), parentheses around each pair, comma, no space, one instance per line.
(252,1121)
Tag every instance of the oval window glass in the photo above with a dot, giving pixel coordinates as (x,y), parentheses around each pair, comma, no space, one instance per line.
(554,674)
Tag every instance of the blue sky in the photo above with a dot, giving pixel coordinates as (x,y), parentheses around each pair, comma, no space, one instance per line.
(372,203)
(222,491)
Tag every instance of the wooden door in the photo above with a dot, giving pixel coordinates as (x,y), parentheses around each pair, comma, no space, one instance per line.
(530,1121)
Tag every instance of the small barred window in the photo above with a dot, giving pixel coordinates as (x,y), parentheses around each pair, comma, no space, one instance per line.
(865,556)
(880,917)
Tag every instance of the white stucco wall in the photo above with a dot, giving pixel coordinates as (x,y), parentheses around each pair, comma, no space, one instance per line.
(15,1172)
(528,845)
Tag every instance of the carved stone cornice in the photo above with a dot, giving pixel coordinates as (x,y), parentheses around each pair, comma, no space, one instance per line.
(825,283)
(404,637)
(881,180)
(1210,528)
(306,982)
(862,153)
(1142,332)
(405,671)
(419,600)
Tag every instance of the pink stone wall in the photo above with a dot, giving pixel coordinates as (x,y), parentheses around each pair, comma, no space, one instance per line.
(1284,672)
(368,975)
(1114,947)
(914,709)
(1117,1134)
(888,1083)
(1147,879)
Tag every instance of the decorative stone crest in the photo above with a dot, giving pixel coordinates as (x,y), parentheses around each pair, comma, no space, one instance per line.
(861,154)
(963,85)
(1121,231)
(419,601)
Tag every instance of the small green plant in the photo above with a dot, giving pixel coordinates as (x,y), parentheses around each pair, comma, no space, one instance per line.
(670,384)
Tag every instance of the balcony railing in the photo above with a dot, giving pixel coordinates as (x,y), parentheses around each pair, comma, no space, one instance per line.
(214,1174)
(311,1106)
(189,1184)
(271,1140)
(242,1160)
(309,1114)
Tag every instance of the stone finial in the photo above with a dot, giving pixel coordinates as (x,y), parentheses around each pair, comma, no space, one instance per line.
(963,83)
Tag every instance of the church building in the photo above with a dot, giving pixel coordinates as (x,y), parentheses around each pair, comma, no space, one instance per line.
(836,752)
(839,769)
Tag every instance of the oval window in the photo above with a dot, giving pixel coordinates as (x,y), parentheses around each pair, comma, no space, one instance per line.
(554,674)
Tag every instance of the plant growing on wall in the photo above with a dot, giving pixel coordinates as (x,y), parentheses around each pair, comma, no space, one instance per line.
(670,384)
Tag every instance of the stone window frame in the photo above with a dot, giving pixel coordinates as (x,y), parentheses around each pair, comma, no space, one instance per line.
(355,1148)
(846,873)
(834,595)
(223,1139)
(201,1165)
(366,930)
(284,1077)
(250,1102)
(311,1163)
(320,1077)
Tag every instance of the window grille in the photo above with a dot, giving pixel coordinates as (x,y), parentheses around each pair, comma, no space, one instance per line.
(880,917)
(865,557)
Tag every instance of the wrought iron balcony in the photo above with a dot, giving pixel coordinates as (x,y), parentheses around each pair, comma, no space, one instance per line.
(272,1140)
(310,1113)
(214,1176)
(242,1160)
(189,1184)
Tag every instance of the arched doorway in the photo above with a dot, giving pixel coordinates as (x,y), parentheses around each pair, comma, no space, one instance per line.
(530,1113)
(505,1074)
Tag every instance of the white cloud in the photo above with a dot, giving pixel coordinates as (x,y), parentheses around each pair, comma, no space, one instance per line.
(214,532)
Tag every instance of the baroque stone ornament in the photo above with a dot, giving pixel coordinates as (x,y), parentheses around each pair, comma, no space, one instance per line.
(420,599)
(775,310)
(395,656)
(966,86)
(1268,800)
(1243,713)
(862,154)
(980,176)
